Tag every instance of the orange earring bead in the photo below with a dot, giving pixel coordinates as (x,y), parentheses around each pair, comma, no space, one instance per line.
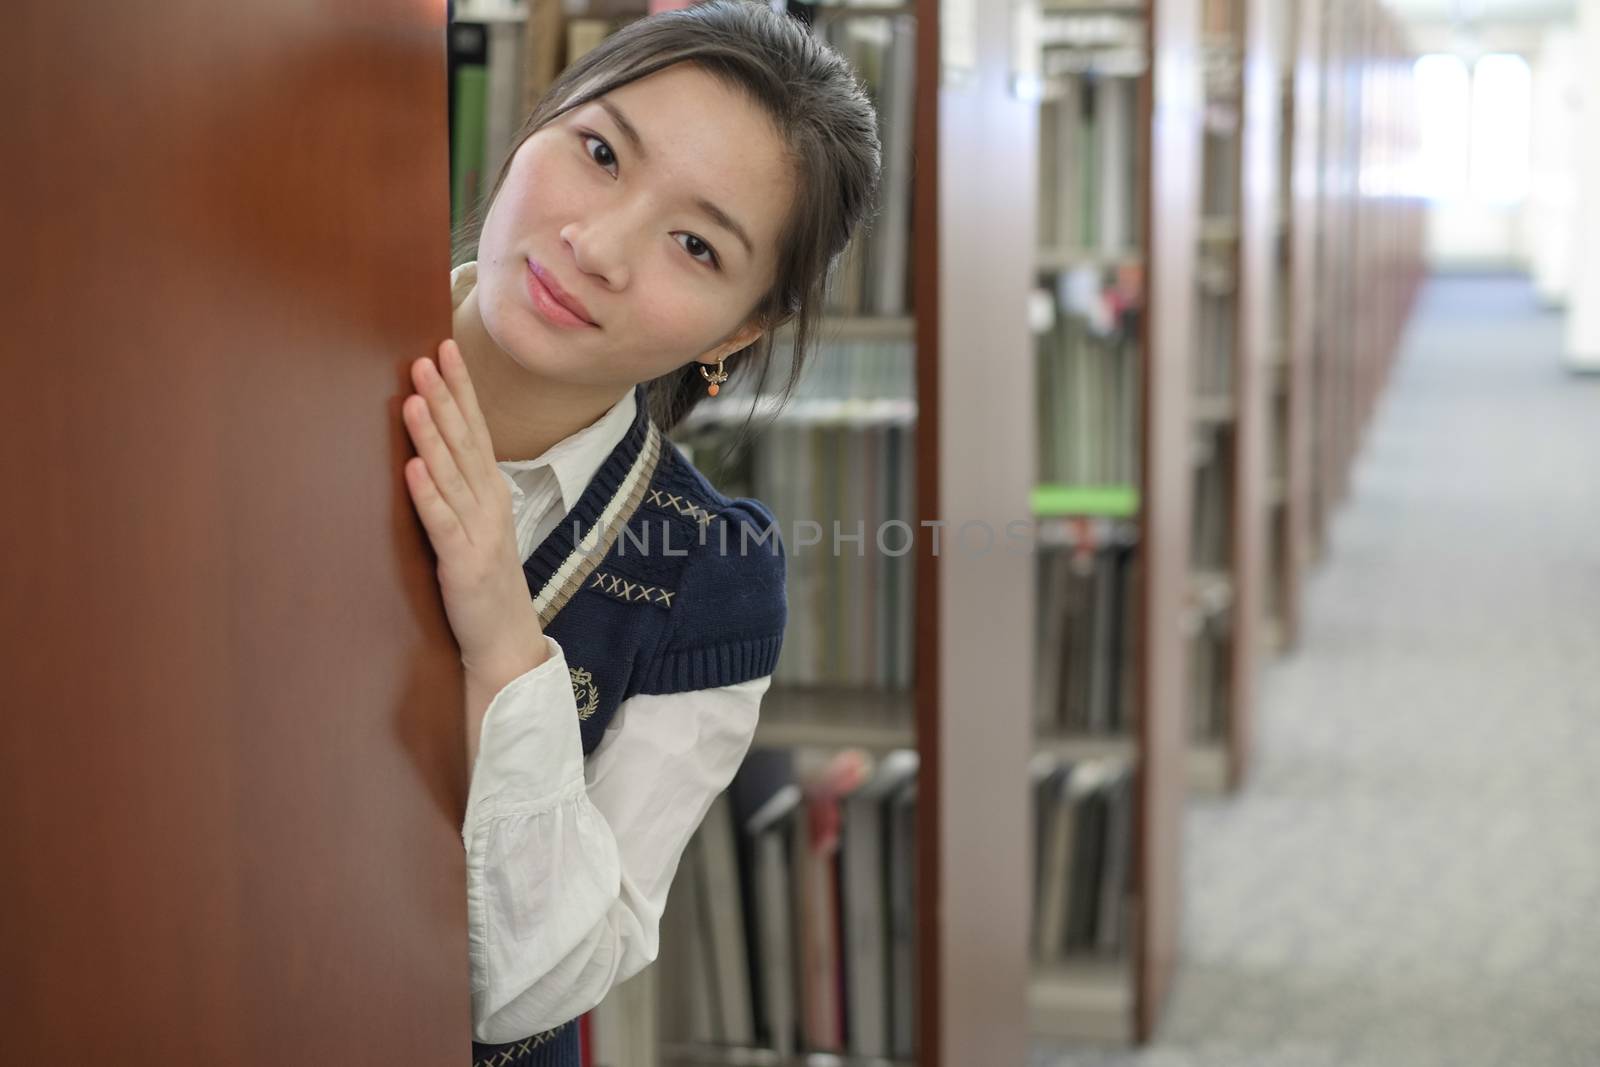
(714,377)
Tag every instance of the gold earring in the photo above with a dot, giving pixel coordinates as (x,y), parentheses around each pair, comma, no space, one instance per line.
(715,377)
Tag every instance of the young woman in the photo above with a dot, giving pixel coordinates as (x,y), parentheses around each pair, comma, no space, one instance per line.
(679,193)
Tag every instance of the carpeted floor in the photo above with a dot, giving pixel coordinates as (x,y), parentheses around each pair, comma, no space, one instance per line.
(1412,875)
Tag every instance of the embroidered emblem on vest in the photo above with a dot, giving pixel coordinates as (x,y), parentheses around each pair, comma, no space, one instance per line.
(632,592)
(682,505)
(584,691)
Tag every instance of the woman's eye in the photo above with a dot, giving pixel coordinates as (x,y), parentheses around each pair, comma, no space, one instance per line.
(696,247)
(606,158)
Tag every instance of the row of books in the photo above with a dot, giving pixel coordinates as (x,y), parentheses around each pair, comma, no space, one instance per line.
(843,497)
(851,594)
(1083,846)
(1088,385)
(1089,167)
(873,276)
(789,925)
(485,106)
(1084,682)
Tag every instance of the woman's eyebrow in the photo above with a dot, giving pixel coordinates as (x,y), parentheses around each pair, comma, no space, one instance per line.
(727,222)
(627,127)
(712,211)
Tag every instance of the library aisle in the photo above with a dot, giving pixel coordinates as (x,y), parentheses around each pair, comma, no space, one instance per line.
(1410,877)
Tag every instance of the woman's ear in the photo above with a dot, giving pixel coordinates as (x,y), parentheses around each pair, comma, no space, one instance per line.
(747,335)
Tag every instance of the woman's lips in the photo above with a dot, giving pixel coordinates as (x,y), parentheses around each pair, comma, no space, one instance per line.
(554,304)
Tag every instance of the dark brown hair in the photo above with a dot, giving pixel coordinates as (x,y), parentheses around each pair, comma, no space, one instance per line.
(818,108)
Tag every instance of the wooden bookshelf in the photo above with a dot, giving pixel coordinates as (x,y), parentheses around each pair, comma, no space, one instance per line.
(964,710)
(1290,462)
(1369,263)
(1235,350)
(1090,997)
(974,728)
(1356,255)
(962,993)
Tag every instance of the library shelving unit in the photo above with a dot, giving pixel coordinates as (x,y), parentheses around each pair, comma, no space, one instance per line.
(1236,297)
(1390,225)
(1350,262)
(858,895)
(849,453)
(1368,261)
(1118,229)
(1215,607)
(1279,598)
(1297,250)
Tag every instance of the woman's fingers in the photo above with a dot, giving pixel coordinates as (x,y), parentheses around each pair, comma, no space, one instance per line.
(460,382)
(447,416)
(443,474)
(447,419)
(438,517)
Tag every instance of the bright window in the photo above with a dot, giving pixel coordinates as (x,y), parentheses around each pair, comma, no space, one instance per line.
(1444,103)
(1502,114)
(1475,126)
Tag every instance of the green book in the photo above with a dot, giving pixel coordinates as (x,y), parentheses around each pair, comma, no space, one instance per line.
(466,154)
(1108,501)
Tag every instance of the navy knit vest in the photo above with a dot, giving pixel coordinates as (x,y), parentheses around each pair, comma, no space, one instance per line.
(654,582)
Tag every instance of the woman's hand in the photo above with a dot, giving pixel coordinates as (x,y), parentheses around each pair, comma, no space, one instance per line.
(465,506)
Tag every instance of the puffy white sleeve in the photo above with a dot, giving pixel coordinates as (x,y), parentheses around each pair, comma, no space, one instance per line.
(568,864)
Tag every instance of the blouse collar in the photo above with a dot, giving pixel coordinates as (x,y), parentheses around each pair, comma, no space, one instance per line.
(575,458)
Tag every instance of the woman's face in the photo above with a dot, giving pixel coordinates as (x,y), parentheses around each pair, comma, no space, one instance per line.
(655,210)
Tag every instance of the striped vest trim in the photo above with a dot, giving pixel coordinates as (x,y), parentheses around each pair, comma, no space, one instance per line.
(571,573)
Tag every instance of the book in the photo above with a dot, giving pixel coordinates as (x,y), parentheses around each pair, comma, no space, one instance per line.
(688,1002)
(765,798)
(1082,656)
(1082,851)
(866,904)
(902,877)
(1110,937)
(824,780)
(725,926)
(503,110)
(469,63)
(625,1025)
(1059,856)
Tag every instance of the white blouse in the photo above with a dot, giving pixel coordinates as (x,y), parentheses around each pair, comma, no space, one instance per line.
(569,860)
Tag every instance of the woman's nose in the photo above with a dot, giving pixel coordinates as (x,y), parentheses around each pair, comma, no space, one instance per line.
(599,249)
